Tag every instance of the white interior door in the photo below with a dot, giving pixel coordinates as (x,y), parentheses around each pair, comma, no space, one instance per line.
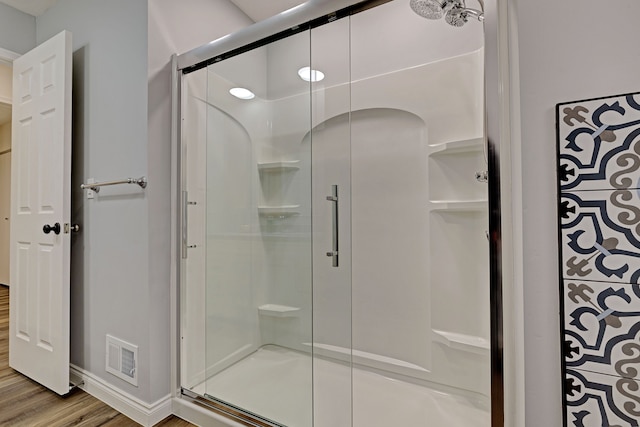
(5,203)
(40,196)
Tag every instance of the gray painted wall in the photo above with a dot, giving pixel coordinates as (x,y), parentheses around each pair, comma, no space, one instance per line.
(120,262)
(110,285)
(580,53)
(17,30)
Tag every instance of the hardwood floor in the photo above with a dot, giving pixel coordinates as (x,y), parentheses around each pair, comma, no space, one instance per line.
(26,403)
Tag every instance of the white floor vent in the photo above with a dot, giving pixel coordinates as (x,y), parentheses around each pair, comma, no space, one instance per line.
(122,360)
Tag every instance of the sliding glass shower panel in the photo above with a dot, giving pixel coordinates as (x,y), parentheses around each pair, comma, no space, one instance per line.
(192,289)
(420,319)
(331,189)
(258,225)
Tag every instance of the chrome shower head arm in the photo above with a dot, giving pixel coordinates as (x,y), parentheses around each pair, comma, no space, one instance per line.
(478,14)
(458,16)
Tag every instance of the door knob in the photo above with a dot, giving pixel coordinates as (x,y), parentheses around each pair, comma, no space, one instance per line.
(48,229)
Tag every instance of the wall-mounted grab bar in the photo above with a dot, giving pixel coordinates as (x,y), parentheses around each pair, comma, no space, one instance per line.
(95,186)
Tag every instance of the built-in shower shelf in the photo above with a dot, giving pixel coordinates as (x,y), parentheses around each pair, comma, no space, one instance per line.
(283,166)
(283,211)
(454,147)
(276,310)
(468,343)
(458,205)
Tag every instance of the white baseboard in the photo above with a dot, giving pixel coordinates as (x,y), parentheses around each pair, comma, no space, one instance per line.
(139,411)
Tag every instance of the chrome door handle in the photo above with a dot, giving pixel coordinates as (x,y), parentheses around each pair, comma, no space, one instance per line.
(185,202)
(185,223)
(334,199)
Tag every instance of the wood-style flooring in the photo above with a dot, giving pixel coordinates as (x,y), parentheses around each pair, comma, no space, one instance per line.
(25,403)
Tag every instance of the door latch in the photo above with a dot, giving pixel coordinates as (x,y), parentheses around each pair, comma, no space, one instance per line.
(69,228)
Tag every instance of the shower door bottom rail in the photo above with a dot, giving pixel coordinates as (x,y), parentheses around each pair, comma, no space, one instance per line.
(227,410)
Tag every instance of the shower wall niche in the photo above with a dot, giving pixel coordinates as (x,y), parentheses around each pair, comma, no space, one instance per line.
(378,162)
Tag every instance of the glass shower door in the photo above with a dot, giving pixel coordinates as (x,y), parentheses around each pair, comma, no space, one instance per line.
(420,282)
(267,196)
(331,224)
(258,261)
(337,268)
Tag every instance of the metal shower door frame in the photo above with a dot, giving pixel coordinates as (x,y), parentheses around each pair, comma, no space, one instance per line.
(314,13)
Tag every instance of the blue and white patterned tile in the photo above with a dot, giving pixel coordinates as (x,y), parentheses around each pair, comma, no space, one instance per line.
(601,235)
(602,327)
(597,400)
(599,144)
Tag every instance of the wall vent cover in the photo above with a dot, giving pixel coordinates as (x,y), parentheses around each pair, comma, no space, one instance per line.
(122,360)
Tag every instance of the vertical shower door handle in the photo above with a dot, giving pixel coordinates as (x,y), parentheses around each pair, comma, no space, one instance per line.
(185,202)
(185,224)
(334,200)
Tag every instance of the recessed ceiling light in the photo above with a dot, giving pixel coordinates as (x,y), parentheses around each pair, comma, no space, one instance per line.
(242,93)
(309,75)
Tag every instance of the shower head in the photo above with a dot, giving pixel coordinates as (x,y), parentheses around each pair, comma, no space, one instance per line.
(432,9)
(455,12)
(458,16)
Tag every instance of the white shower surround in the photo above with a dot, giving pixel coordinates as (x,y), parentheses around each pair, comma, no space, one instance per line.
(277,379)
(448,115)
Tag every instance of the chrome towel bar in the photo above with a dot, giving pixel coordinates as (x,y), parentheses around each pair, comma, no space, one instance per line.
(142,182)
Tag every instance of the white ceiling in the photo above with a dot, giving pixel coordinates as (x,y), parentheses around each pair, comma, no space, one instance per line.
(259,10)
(255,9)
(32,7)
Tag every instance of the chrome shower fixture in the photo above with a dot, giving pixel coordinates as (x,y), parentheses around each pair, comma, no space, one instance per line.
(433,9)
(482,176)
(455,12)
(460,16)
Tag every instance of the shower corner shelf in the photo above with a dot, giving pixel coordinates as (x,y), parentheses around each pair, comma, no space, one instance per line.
(458,205)
(468,343)
(282,166)
(276,310)
(455,147)
(283,211)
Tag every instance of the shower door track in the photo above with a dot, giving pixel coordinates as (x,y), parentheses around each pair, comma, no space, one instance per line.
(225,409)
(312,14)
(315,13)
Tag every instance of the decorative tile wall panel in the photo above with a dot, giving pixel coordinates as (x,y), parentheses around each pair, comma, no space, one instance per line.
(599,238)
(599,144)
(597,400)
(602,327)
(601,235)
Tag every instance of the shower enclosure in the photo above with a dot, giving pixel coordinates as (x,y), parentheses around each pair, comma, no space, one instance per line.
(334,224)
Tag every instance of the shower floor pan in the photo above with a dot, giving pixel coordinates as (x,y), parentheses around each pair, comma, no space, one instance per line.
(276,383)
